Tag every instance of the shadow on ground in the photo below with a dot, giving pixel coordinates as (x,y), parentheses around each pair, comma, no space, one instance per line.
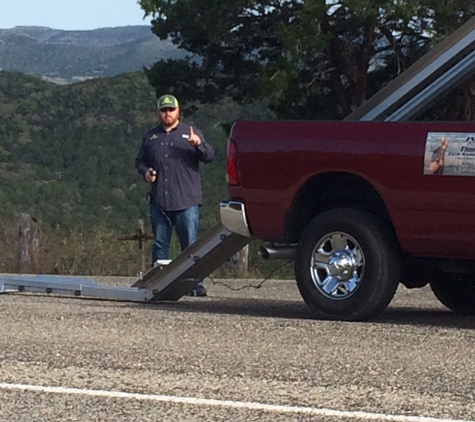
(285,309)
(299,310)
(247,307)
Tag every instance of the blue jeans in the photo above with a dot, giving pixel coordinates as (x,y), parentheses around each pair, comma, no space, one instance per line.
(186,223)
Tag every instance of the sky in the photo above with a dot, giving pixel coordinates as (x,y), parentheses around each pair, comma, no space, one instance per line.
(70,15)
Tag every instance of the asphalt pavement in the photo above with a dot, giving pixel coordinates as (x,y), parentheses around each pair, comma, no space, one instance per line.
(248,355)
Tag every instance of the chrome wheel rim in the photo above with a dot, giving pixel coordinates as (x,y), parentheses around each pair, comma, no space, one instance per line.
(337,266)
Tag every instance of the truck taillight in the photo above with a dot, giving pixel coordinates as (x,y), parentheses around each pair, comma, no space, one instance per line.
(231,165)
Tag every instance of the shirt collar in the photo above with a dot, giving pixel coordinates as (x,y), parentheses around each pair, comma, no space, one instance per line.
(175,128)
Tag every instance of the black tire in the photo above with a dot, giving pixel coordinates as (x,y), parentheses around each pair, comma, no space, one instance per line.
(456,292)
(371,248)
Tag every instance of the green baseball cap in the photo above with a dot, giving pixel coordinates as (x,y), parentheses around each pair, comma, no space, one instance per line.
(167,101)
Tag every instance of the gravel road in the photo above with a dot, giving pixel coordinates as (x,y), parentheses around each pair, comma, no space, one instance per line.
(250,355)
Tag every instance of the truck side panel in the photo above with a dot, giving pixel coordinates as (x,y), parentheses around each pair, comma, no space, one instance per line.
(433,215)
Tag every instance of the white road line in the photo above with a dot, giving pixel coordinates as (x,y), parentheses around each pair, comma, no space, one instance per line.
(226,403)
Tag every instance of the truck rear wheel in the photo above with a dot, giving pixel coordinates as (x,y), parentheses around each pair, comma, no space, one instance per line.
(456,291)
(347,265)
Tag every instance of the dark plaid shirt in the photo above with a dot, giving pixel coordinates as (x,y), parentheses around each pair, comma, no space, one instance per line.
(177,163)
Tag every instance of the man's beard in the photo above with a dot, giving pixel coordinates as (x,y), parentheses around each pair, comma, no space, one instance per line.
(169,121)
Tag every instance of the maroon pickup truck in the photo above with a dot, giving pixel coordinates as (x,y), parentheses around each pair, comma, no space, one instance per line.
(360,206)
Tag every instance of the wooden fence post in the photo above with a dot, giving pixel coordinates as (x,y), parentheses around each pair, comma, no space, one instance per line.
(141,237)
(29,245)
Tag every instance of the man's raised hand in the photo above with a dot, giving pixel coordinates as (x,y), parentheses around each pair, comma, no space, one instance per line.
(194,139)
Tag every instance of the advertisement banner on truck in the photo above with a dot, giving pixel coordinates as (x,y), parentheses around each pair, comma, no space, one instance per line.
(450,154)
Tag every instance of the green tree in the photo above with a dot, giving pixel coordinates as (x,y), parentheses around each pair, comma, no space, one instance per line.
(308,58)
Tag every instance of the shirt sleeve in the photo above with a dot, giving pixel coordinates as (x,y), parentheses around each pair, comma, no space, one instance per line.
(204,151)
(141,161)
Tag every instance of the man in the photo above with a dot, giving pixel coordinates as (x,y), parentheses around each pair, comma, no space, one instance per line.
(437,161)
(169,158)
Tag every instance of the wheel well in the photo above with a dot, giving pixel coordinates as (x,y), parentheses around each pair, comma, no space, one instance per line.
(332,190)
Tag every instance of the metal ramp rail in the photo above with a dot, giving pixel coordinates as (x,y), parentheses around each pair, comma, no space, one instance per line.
(440,70)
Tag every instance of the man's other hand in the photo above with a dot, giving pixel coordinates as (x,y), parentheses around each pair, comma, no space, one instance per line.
(150,175)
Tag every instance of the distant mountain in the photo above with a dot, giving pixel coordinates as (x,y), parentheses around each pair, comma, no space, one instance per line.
(70,56)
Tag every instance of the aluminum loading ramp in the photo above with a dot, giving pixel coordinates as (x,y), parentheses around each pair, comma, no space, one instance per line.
(162,282)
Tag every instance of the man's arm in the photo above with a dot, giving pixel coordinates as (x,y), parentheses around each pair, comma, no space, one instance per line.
(141,161)
(204,151)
